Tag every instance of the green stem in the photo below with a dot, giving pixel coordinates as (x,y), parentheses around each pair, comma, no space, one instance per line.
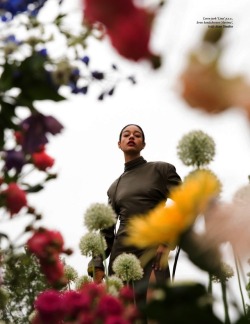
(175,262)
(224,297)
(133,286)
(236,260)
(210,284)
(104,262)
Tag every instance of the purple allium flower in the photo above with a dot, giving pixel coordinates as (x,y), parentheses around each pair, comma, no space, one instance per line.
(14,160)
(35,129)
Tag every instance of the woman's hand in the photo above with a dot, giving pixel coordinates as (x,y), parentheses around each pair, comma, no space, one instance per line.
(98,275)
(161,251)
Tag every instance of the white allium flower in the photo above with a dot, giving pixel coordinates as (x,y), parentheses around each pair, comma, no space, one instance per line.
(70,273)
(196,149)
(242,195)
(99,216)
(82,280)
(227,273)
(127,267)
(114,284)
(92,244)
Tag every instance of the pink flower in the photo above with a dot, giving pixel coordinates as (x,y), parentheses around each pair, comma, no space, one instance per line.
(75,302)
(93,290)
(49,306)
(15,198)
(113,319)
(45,243)
(42,160)
(109,305)
(126,293)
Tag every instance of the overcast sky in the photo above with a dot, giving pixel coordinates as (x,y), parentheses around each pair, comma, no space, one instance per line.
(86,153)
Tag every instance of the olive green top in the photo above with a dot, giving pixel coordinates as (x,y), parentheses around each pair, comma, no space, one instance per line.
(141,187)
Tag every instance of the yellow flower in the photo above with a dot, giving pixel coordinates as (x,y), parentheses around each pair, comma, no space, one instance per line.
(165,224)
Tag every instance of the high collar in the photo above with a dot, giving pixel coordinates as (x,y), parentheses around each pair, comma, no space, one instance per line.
(134,163)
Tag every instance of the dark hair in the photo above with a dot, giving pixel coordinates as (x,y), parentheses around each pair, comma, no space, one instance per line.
(143,135)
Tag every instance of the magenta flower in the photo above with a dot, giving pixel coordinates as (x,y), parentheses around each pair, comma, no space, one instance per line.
(109,305)
(75,302)
(49,306)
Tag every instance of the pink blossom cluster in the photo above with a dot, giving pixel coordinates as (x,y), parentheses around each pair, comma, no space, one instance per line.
(127,26)
(47,246)
(89,305)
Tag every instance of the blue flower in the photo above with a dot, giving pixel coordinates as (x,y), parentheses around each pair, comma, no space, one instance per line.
(85,60)
(15,7)
(97,75)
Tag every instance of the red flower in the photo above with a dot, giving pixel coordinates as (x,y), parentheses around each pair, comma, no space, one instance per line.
(131,34)
(15,198)
(54,272)
(49,306)
(42,160)
(46,244)
(106,11)
(19,137)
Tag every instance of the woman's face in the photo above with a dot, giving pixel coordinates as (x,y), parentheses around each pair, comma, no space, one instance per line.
(132,141)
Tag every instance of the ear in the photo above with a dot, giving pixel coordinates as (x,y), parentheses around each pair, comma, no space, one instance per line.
(119,144)
(144,145)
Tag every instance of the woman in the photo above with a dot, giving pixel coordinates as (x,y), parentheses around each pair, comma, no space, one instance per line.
(141,187)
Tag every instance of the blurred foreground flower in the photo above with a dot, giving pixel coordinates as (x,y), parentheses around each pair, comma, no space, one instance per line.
(204,87)
(42,160)
(90,304)
(35,129)
(47,246)
(229,222)
(14,7)
(165,224)
(13,198)
(128,27)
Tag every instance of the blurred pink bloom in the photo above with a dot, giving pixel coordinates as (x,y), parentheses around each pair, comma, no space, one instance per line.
(14,198)
(45,243)
(229,222)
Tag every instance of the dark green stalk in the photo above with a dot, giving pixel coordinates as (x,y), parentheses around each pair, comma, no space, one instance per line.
(210,284)
(224,297)
(175,262)
(104,262)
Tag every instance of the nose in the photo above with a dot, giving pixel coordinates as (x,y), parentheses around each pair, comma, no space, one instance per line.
(131,136)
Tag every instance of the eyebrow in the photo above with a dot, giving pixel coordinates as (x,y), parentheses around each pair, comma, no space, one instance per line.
(128,131)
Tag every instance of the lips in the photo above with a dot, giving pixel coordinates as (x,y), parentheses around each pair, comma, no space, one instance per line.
(131,143)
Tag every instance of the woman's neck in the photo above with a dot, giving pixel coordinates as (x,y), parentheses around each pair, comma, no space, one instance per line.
(130,157)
